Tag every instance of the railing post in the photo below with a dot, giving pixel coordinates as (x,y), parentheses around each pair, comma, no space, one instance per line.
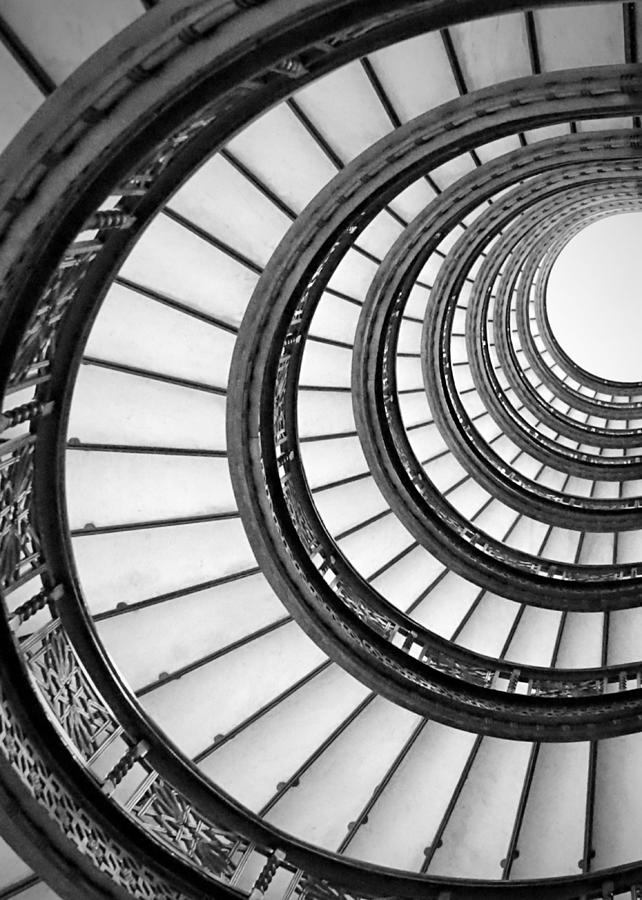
(266,874)
(104,219)
(24,413)
(30,607)
(125,764)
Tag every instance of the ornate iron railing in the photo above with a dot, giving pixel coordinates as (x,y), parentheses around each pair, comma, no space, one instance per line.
(71,204)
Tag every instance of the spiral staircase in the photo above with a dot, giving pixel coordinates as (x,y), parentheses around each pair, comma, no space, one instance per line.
(320,556)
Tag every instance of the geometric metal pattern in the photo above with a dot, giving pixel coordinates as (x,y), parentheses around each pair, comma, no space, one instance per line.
(167,815)
(19,545)
(78,708)
(73,820)
(83,716)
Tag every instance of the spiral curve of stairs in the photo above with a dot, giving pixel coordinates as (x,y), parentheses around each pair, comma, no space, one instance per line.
(320,556)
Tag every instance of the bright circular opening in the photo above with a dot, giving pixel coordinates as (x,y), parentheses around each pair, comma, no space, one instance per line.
(595,298)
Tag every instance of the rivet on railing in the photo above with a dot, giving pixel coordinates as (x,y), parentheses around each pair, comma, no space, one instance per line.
(30,607)
(92,115)
(504,862)
(266,874)
(139,74)
(125,764)
(25,413)
(189,35)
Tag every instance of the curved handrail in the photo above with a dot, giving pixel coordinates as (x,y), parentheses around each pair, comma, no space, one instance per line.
(84,152)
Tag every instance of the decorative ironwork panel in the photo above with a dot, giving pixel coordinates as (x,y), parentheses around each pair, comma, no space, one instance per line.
(77,706)
(169,816)
(19,543)
(37,346)
(73,820)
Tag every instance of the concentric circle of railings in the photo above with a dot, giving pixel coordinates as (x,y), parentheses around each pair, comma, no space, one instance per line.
(507,353)
(394,493)
(465,442)
(129,127)
(535,440)
(621,391)
(523,267)
(543,258)
(343,612)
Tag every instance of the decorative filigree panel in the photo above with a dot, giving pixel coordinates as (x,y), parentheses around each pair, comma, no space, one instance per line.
(38,341)
(170,817)
(73,820)
(19,544)
(77,706)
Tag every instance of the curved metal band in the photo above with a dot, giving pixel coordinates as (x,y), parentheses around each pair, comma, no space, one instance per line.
(534,276)
(470,448)
(509,250)
(190,72)
(299,559)
(372,342)
(601,385)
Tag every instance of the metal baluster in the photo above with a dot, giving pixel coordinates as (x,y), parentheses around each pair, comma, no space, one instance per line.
(24,413)
(104,219)
(124,765)
(267,873)
(513,681)
(30,607)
